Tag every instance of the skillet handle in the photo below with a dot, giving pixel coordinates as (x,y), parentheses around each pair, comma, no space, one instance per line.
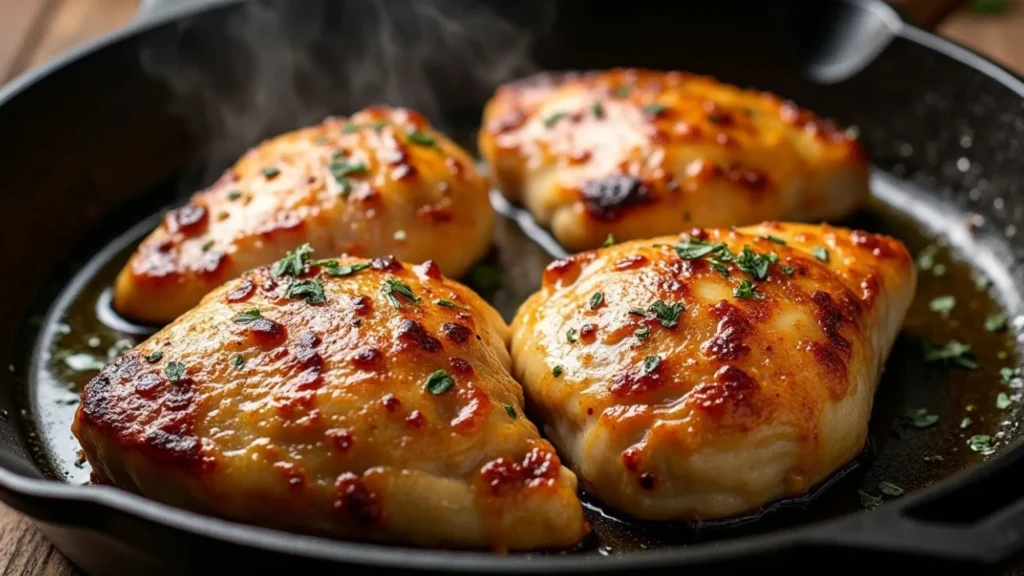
(152,8)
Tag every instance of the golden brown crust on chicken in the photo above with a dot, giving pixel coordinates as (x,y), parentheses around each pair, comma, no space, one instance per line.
(380,183)
(357,399)
(705,375)
(640,153)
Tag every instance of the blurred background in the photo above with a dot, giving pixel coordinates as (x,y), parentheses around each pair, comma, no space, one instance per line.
(33,31)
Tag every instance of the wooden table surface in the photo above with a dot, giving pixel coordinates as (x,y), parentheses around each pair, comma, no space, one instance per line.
(33,31)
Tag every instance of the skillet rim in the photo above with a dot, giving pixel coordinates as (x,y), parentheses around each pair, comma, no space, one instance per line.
(77,505)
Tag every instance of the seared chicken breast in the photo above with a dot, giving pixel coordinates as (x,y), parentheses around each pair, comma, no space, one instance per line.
(640,153)
(703,375)
(360,399)
(380,183)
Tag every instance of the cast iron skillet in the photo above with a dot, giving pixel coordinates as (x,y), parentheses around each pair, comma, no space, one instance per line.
(98,142)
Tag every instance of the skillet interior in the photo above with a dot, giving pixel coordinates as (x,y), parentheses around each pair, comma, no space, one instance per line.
(137,137)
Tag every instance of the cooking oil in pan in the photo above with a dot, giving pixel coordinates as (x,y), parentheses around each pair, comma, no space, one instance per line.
(930,419)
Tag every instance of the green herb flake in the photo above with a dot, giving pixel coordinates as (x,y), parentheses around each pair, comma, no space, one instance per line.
(247,316)
(952,353)
(155,357)
(238,361)
(820,253)
(346,270)
(511,411)
(995,322)
(596,300)
(623,91)
(774,239)
(642,333)
(926,258)
(890,489)
(787,270)
(939,270)
(321,140)
(234,195)
(207,245)
(1007,374)
(920,418)
(667,314)
(982,282)
(747,289)
(692,248)
(653,109)
(270,171)
(638,312)
(349,128)
(570,335)
(553,119)
(651,363)
(981,443)
(312,290)
(376,124)
(447,304)
(755,264)
(295,262)
(598,110)
(869,501)
(966,422)
(439,382)
(421,138)
(1003,401)
(609,241)
(943,304)
(393,287)
(556,371)
(174,371)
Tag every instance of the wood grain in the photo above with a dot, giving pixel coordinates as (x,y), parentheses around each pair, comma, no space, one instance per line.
(33,31)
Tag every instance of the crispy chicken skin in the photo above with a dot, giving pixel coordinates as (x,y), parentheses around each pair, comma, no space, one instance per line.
(386,412)
(680,393)
(382,182)
(641,153)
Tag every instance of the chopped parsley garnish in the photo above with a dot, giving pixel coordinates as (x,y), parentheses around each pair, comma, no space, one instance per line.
(447,303)
(623,91)
(238,361)
(174,371)
(995,322)
(668,314)
(943,304)
(570,335)
(556,371)
(653,109)
(926,258)
(966,422)
(346,270)
(234,195)
(312,290)
(820,253)
(953,353)
(511,411)
(421,138)
(321,140)
(349,129)
(341,171)
(609,241)
(439,382)
(155,357)
(920,418)
(642,333)
(295,262)
(596,300)
(755,264)
(376,124)
(1003,401)
(890,489)
(270,171)
(869,501)
(553,119)
(1007,374)
(980,443)
(651,363)
(787,270)
(209,244)
(747,289)
(982,282)
(939,270)
(774,239)
(598,110)
(692,248)
(248,316)
(393,286)
(638,311)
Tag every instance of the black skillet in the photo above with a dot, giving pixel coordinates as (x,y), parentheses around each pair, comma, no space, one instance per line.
(96,143)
